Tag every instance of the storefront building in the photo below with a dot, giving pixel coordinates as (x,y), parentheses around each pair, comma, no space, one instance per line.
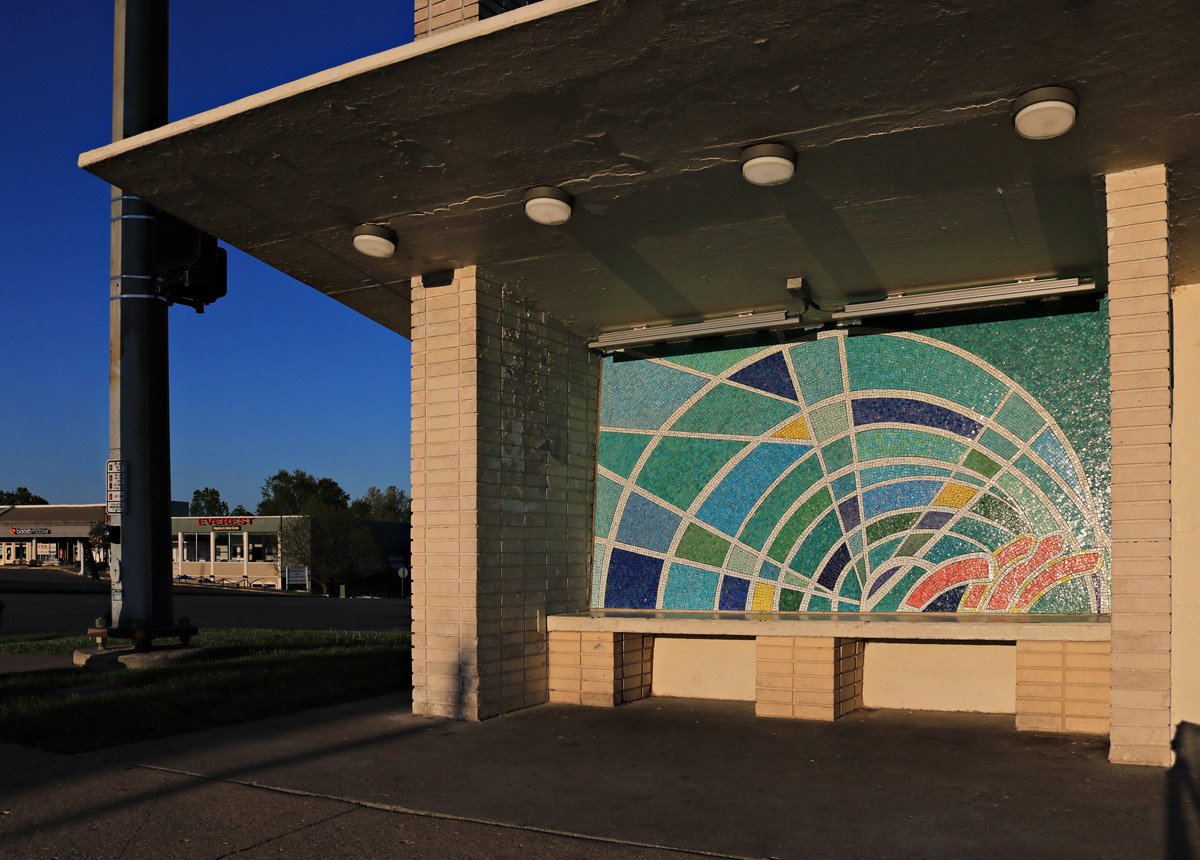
(898,411)
(234,550)
(47,534)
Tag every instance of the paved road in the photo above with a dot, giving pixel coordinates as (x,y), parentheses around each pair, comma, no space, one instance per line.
(49,601)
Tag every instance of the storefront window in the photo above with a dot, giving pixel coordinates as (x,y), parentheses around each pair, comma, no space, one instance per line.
(264,547)
(229,546)
(195,547)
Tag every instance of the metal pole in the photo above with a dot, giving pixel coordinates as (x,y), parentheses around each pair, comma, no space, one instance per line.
(139,415)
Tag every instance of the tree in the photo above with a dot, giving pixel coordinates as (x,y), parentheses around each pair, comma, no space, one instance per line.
(240,511)
(392,504)
(97,548)
(20,496)
(295,492)
(208,503)
(332,543)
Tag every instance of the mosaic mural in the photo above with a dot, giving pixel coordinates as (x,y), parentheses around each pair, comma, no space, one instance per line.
(888,472)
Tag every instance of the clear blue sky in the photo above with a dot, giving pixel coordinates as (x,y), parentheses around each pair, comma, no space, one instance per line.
(273,376)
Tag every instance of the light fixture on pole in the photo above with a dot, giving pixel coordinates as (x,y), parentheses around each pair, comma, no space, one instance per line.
(548,205)
(1045,113)
(375,240)
(768,164)
(966,297)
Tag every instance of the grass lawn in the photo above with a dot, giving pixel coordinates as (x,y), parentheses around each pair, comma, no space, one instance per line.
(249,674)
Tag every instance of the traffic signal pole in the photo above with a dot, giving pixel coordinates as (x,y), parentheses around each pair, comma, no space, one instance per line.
(139,469)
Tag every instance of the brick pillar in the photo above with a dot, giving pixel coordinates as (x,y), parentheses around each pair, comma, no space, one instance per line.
(503,453)
(1140,342)
(808,677)
(434,16)
(1063,687)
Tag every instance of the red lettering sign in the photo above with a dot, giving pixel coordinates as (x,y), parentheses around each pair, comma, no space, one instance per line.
(225,522)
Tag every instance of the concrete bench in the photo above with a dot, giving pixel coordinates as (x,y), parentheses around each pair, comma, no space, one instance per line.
(811,665)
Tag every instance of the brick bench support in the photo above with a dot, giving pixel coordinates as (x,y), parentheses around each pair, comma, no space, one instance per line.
(1063,686)
(808,677)
(600,669)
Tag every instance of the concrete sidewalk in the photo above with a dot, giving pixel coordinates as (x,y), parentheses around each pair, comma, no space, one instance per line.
(657,778)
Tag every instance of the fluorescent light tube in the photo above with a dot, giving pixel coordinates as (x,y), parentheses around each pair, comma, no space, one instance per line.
(966,297)
(743,323)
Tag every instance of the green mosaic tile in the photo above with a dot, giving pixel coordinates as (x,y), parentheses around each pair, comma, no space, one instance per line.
(818,366)
(618,452)
(878,555)
(727,409)
(979,462)
(890,602)
(989,507)
(698,544)
(1020,418)
(993,441)
(771,509)
(838,454)
(829,421)
(983,532)
(679,468)
(880,529)
(916,366)
(790,600)
(816,603)
(715,362)
(608,493)
(817,545)
(781,547)
(896,442)
(1033,510)
(913,544)
(742,561)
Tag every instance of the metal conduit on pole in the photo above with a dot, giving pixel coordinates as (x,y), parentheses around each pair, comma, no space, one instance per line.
(139,471)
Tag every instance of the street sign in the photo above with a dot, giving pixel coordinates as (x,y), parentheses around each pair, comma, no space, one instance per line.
(116,486)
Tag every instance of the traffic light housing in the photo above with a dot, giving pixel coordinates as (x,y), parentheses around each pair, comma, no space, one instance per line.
(191,267)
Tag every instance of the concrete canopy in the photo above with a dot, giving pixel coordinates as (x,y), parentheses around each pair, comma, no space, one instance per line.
(910,175)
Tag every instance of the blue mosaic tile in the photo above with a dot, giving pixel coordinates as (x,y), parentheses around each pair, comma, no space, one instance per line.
(647,525)
(632,581)
(769,374)
(769,571)
(733,593)
(903,410)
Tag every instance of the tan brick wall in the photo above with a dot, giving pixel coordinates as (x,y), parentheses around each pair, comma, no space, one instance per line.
(1140,341)
(503,447)
(808,677)
(433,16)
(1063,686)
(600,669)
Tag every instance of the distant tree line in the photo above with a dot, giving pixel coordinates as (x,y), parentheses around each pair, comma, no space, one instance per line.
(334,544)
(21,496)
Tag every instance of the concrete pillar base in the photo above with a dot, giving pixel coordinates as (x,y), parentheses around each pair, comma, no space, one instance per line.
(808,678)
(1063,687)
(600,669)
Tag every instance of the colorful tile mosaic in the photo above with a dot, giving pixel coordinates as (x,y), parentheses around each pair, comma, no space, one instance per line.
(876,473)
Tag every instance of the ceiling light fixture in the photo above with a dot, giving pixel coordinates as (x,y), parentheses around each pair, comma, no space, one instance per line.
(740,324)
(967,297)
(1045,112)
(768,164)
(374,240)
(548,205)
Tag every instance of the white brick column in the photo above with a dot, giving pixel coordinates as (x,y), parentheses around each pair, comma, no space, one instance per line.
(504,410)
(1140,341)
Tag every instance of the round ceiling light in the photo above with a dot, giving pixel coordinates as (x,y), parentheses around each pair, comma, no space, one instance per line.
(768,164)
(1045,112)
(374,240)
(548,205)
